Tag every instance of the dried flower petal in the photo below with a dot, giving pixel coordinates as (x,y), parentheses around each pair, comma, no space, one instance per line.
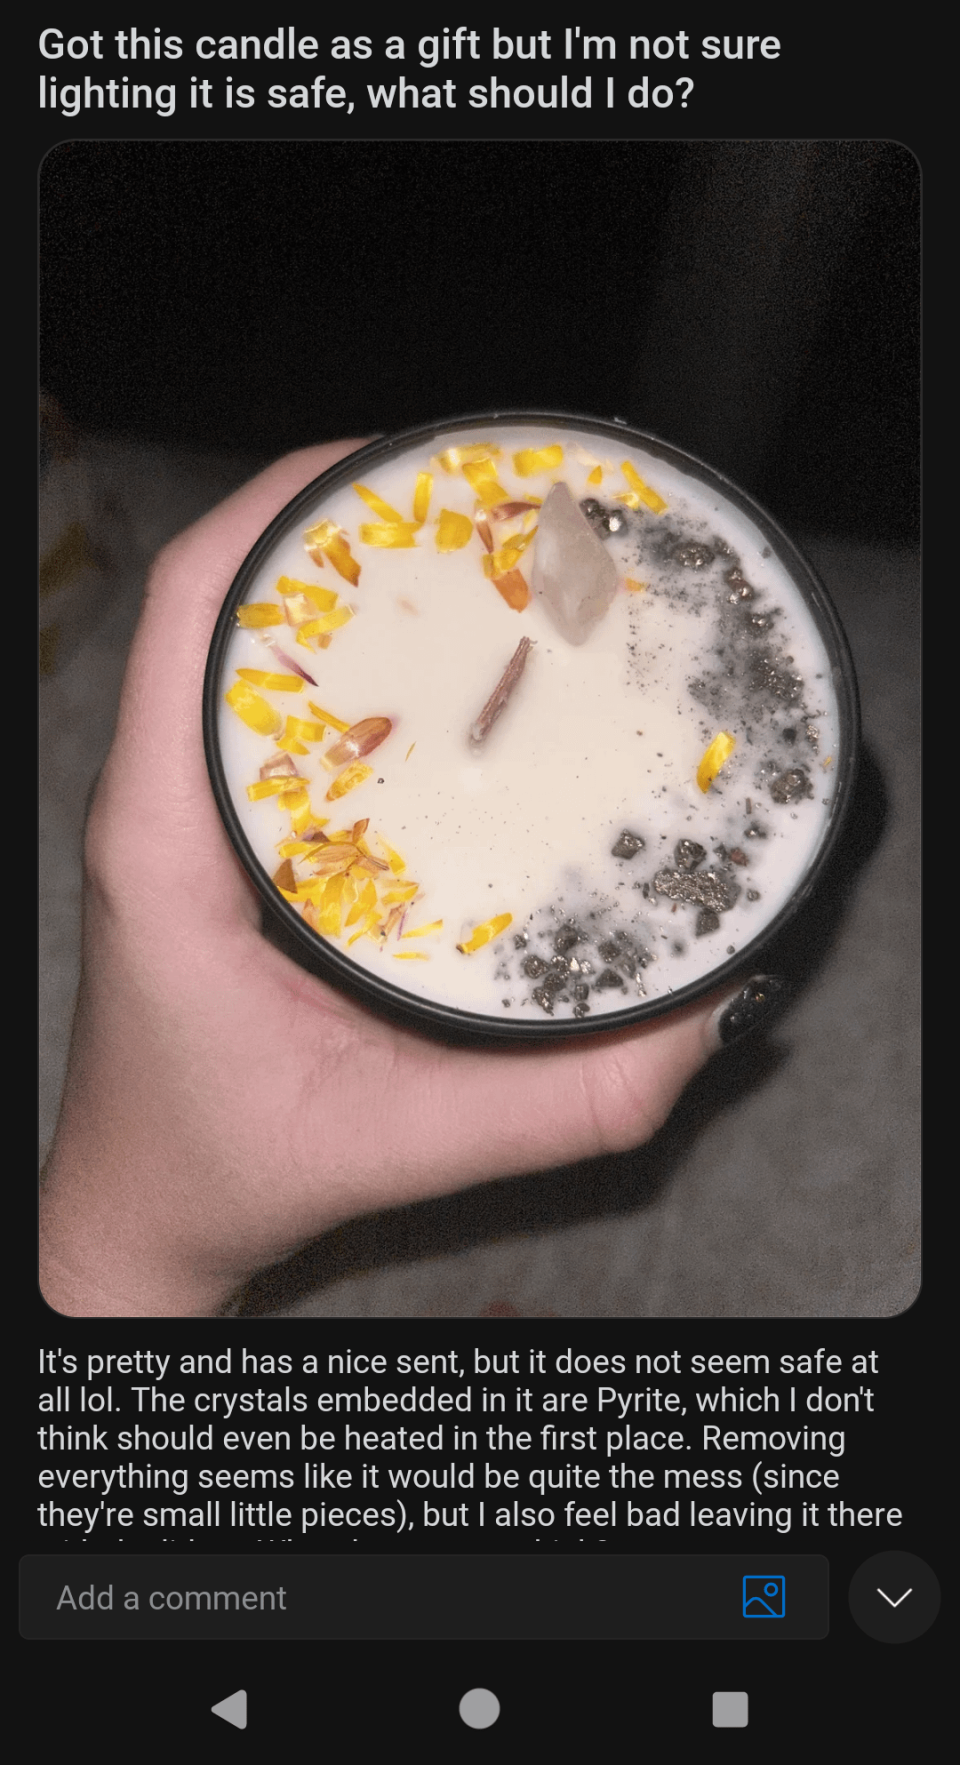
(531,460)
(410,955)
(328,622)
(348,779)
(453,531)
(257,613)
(421,931)
(268,787)
(651,498)
(298,609)
(279,766)
(290,661)
(377,504)
(328,717)
(421,496)
(481,476)
(717,754)
(389,536)
(483,934)
(359,740)
(278,683)
(322,598)
(510,510)
(514,590)
(453,458)
(326,540)
(256,712)
(284,877)
(505,559)
(596,476)
(397,864)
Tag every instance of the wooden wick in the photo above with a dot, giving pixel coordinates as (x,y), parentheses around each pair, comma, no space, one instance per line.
(501,693)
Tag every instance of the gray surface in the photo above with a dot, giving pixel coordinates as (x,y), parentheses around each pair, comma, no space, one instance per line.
(785,1183)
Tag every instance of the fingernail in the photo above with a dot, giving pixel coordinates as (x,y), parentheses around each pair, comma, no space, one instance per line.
(754,1004)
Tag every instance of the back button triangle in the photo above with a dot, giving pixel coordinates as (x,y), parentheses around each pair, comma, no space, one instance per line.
(233,1709)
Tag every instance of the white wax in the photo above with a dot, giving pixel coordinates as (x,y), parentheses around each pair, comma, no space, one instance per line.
(596,739)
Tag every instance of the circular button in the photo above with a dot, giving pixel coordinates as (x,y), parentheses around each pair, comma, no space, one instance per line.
(479,1708)
(894,1596)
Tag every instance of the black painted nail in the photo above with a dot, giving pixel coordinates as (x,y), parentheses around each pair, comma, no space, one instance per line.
(755,1003)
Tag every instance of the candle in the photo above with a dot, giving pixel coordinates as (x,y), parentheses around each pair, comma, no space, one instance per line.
(529,725)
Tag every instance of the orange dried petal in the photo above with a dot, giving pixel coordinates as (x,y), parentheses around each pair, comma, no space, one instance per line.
(514,590)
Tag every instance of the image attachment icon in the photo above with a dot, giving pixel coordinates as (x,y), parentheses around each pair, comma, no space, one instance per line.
(764,1596)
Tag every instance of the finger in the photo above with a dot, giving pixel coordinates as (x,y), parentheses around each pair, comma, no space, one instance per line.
(155,796)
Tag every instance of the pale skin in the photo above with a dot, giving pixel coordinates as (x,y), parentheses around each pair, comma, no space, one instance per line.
(222,1105)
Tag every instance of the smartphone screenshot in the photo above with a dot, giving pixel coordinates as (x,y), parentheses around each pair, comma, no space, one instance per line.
(483,1300)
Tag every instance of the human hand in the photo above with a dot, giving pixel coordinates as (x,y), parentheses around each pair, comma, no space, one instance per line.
(222,1105)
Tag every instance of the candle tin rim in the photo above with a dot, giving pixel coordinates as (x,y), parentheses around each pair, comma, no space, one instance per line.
(449,1022)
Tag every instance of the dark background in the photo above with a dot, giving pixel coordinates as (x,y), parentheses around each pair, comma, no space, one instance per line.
(755,302)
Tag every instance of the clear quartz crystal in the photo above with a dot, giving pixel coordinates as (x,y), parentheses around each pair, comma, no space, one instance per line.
(572,568)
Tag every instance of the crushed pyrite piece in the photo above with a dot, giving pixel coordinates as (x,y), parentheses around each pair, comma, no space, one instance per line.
(687,854)
(566,938)
(707,921)
(701,888)
(791,786)
(572,569)
(692,554)
(766,676)
(627,846)
(603,518)
(534,967)
(609,978)
(742,590)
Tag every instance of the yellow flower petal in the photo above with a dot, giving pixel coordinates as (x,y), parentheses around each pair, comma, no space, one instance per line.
(483,934)
(257,613)
(254,710)
(453,531)
(531,460)
(716,756)
(651,498)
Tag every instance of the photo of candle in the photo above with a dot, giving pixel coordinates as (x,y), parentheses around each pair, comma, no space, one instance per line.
(529,725)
